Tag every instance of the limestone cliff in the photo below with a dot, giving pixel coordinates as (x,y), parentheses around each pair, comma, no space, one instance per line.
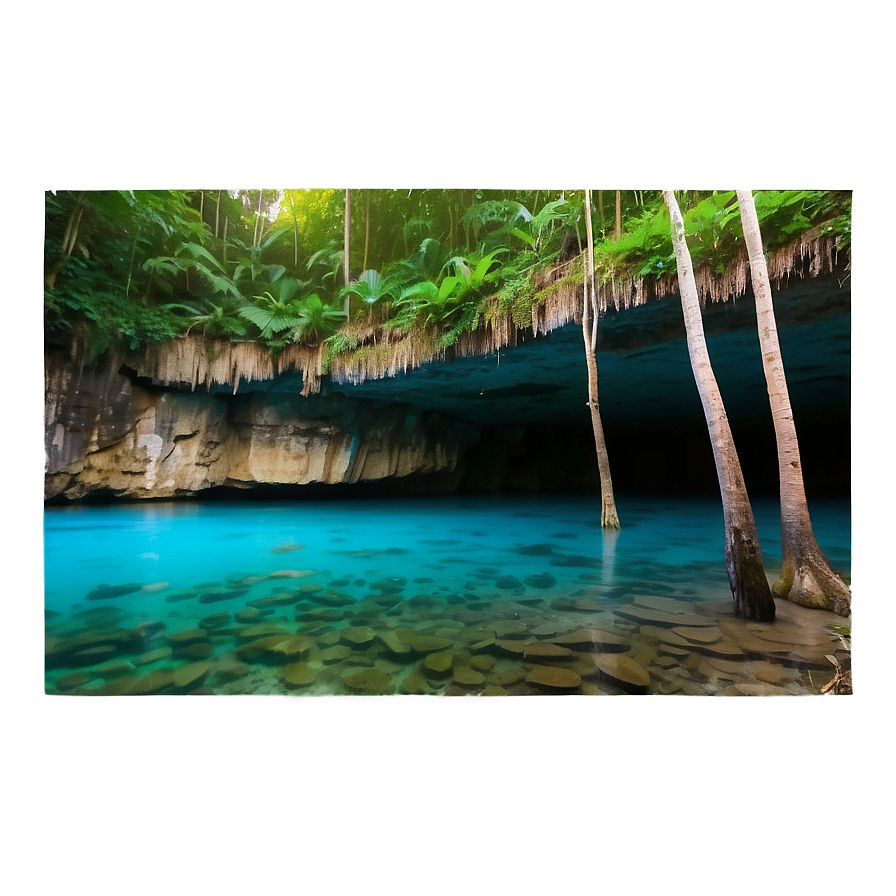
(111,433)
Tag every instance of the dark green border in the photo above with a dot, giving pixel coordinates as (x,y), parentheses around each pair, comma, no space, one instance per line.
(258,797)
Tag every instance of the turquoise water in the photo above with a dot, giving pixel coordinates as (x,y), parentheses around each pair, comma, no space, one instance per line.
(447,567)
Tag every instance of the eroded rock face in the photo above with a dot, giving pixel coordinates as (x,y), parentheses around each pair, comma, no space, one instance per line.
(108,434)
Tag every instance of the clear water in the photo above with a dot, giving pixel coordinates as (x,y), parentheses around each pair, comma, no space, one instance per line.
(475,559)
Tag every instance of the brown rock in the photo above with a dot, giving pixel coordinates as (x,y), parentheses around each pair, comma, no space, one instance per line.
(276,649)
(369,681)
(298,675)
(72,680)
(554,678)
(187,636)
(156,682)
(623,671)
(415,684)
(335,654)
(153,656)
(662,617)
(198,650)
(698,635)
(593,639)
(482,663)
(493,690)
(357,636)
(539,652)
(421,643)
(509,677)
(192,675)
(466,677)
(438,665)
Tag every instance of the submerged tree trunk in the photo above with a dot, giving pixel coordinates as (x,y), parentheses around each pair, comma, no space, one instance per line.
(609,519)
(806,576)
(347,245)
(743,556)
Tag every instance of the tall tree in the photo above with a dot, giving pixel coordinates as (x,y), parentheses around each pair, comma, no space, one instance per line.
(609,519)
(743,556)
(806,576)
(618,215)
(347,244)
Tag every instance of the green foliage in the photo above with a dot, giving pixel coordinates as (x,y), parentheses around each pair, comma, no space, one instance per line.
(370,288)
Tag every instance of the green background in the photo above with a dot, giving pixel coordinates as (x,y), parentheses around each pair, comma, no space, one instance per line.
(522,796)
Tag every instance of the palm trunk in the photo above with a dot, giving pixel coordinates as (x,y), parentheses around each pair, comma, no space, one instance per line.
(295,232)
(806,576)
(609,519)
(743,556)
(618,215)
(347,245)
(366,231)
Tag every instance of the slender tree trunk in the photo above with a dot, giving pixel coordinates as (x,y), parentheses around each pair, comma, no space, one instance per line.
(202,206)
(347,245)
(600,212)
(743,556)
(256,238)
(366,231)
(618,215)
(806,576)
(609,519)
(295,232)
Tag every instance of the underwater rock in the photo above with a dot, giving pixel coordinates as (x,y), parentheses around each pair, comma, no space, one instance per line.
(593,639)
(509,677)
(509,583)
(512,648)
(177,596)
(106,592)
(153,656)
(482,663)
(156,682)
(357,636)
(335,654)
(263,630)
(332,599)
(274,600)
(187,636)
(393,585)
(394,644)
(698,635)
(554,678)
(90,656)
(368,681)
(540,580)
(228,669)
(276,649)
(214,597)
(250,614)
(540,652)
(663,604)
(623,671)
(467,678)
(770,673)
(760,689)
(292,573)
(191,675)
(534,550)
(198,650)
(570,604)
(112,667)
(414,684)
(648,616)
(214,621)
(72,680)
(438,665)
(287,548)
(421,643)
(493,690)
(573,560)
(298,675)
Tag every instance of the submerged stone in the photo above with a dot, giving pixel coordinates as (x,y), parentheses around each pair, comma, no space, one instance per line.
(106,592)
(421,643)
(466,677)
(623,671)
(191,675)
(153,656)
(368,681)
(438,665)
(554,678)
(335,654)
(593,639)
(187,636)
(493,690)
(540,652)
(540,580)
(298,675)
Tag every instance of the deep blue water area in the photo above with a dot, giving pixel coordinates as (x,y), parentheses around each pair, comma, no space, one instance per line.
(345,575)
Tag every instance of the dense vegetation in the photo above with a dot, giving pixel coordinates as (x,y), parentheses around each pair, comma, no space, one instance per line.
(126,268)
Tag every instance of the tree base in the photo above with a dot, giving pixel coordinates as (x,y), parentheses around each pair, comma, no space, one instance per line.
(746,575)
(810,582)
